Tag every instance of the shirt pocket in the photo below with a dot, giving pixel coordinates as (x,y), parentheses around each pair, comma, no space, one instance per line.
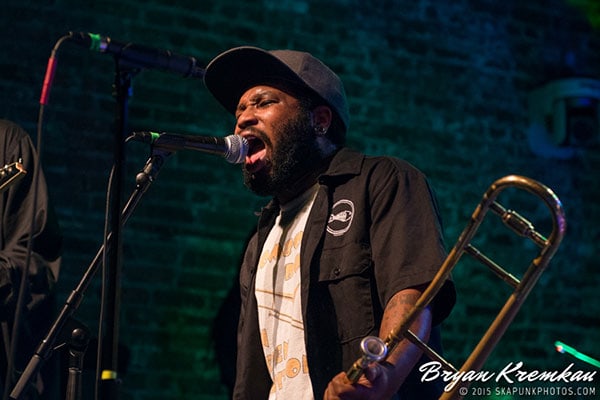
(346,274)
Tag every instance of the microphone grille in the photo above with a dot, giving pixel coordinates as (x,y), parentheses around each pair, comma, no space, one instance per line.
(237,148)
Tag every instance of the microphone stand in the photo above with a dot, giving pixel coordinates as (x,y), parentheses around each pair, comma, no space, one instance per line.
(80,337)
(47,345)
(109,382)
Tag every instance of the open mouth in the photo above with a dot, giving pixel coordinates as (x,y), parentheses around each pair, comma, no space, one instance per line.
(256,159)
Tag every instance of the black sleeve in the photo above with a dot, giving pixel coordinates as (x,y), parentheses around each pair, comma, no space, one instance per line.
(408,245)
(25,211)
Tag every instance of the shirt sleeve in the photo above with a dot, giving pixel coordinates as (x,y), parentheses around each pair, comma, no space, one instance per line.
(406,233)
(23,209)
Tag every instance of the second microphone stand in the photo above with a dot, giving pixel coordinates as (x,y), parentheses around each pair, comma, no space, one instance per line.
(48,344)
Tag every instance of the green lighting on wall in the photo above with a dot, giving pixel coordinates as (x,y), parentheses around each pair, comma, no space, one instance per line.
(591,9)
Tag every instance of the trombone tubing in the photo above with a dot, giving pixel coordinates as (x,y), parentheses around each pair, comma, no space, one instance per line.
(511,307)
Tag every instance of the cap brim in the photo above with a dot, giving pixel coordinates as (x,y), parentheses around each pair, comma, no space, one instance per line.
(233,72)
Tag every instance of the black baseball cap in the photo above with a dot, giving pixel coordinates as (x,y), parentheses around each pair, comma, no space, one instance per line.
(234,71)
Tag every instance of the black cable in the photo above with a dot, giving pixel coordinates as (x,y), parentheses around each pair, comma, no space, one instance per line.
(36,176)
(103,291)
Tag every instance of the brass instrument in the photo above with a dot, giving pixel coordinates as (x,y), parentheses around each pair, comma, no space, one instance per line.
(521,287)
(11,174)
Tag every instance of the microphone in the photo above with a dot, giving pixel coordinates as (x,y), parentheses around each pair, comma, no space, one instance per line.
(139,55)
(233,147)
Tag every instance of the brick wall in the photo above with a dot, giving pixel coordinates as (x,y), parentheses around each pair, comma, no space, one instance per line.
(441,84)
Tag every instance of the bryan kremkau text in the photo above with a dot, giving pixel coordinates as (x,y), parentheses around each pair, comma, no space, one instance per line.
(510,373)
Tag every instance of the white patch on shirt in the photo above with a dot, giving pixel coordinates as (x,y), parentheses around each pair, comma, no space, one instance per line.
(341,217)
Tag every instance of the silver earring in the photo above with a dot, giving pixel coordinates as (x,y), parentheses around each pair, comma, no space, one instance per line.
(320,130)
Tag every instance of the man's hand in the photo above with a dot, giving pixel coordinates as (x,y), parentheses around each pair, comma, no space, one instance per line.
(373,385)
(382,380)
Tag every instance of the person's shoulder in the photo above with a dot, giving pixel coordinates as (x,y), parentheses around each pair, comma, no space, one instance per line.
(12,130)
(383,166)
(392,163)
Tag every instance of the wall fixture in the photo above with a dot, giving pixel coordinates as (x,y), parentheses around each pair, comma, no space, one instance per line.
(565,117)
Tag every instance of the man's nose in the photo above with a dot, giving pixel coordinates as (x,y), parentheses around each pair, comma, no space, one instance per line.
(246,118)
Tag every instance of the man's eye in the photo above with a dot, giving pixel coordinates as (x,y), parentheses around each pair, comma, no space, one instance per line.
(265,103)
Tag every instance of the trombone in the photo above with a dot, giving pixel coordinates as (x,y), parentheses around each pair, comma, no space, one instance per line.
(375,349)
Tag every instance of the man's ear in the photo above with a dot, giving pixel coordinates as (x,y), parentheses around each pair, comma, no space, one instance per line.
(321,117)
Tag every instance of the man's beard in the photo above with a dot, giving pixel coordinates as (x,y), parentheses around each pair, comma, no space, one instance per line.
(296,153)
